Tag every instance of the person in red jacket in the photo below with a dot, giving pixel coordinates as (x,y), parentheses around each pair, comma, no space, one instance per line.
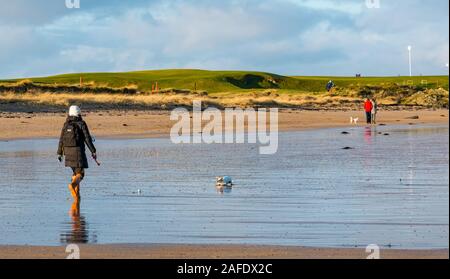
(368,106)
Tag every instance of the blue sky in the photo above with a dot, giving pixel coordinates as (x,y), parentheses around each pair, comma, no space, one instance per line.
(291,37)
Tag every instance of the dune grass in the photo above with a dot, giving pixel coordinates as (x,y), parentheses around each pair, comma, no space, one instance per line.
(168,101)
(265,98)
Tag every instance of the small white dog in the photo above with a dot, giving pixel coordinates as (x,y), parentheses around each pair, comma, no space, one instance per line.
(224,181)
(354,120)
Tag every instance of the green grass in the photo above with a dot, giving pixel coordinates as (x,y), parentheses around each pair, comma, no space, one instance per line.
(228,81)
(346,82)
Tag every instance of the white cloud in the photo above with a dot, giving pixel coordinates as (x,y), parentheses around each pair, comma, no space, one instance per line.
(317,37)
(21,12)
(343,6)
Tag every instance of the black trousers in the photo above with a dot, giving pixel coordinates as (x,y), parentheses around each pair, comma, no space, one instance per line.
(369,117)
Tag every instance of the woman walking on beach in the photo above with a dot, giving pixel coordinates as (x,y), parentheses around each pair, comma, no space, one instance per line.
(368,108)
(74,136)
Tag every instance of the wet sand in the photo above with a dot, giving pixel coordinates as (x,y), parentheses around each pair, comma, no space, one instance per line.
(209,252)
(150,124)
(157,124)
(307,194)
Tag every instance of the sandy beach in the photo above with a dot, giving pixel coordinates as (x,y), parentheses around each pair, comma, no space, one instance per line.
(148,124)
(209,252)
(139,124)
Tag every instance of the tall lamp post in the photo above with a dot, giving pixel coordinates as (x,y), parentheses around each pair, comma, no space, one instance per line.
(410,60)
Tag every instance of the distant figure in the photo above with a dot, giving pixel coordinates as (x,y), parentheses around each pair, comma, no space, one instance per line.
(74,135)
(330,86)
(368,108)
(374,111)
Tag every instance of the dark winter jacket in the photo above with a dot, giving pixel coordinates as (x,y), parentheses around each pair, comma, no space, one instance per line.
(76,155)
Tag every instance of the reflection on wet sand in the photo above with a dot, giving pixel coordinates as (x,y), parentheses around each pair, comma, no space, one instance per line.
(79,232)
(224,189)
(368,135)
(390,192)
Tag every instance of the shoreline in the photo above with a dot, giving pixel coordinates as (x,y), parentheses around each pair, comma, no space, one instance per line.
(157,124)
(205,251)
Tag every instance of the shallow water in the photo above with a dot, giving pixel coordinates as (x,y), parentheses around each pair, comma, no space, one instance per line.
(391,190)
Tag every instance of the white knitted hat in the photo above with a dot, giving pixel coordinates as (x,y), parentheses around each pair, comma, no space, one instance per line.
(74,111)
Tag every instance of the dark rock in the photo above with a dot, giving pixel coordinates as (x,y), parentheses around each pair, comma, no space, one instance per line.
(415,117)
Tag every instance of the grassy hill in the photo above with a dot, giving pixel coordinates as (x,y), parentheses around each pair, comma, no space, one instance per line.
(226,81)
(211,81)
(221,89)
(430,82)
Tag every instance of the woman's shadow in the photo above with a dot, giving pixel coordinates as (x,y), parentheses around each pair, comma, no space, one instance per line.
(79,233)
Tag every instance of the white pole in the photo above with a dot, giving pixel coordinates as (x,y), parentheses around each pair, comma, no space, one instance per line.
(410,61)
